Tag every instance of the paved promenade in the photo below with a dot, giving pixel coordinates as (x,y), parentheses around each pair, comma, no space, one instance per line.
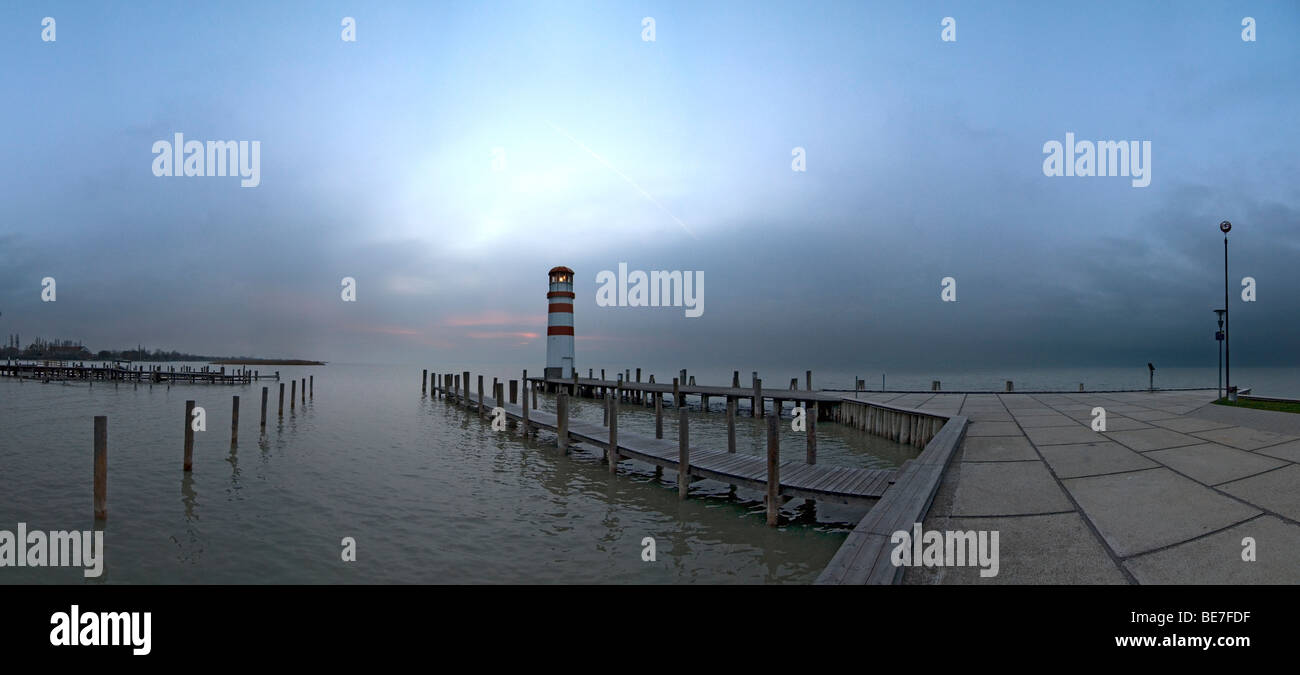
(1164,496)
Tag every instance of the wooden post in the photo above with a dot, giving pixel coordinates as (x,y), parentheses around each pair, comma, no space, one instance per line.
(534,388)
(1010,386)
(810,416)
(562,419)
(424,381)
(480,395)
(677,394)
(808,375)
(934,385)
(494,391)
(757,399)
(731,424)
(604,419)
(638,375)
(735,379)
(234,421)
(524,400)
(465,380)
(659,414)
(773,471)
(304,391)
(1080,386)
(189,436)
(776,407)
(281,399)
(311,386)
(293,393)
(514,391)
(101,469)
(263,423)
(612,455)
(683,455)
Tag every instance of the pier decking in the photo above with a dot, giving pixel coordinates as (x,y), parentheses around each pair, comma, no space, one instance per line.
(796,479)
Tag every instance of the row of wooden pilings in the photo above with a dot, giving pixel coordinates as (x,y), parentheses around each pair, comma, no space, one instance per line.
(635,395)
(456,389)
(101,437)
(906,427)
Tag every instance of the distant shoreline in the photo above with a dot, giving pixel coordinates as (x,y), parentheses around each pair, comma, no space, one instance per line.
(265,362)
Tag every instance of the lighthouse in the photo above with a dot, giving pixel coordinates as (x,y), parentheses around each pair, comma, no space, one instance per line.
(559,324)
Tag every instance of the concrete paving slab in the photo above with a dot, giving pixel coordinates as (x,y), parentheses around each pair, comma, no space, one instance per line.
(1051,549)
(988,416)
(1039,421)
(1007,488)
(1277,491)
(1243,437)
(1142,511)
(993,429)
(1217,558)
(1151,415)
(1092,459)
(1144,440)
(997,449)
(1212,464)
(1115,423)
(1063,435)
(1187,425)
(1288,451)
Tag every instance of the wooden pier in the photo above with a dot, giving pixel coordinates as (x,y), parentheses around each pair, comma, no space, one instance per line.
(842,485)
(52,371)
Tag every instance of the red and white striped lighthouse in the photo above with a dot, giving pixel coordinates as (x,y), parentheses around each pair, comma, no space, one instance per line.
(559,324)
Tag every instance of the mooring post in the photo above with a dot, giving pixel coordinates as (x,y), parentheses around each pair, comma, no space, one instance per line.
(514,391)
(234,421)
(731,424)
(534,388)
(776,407)
(281,399)
(810,414)
(612,455)
(1010,386)
(494,391)
(659,414)
(293,394)
(683,454)
(677,394)
(311,386)
(480,395)
(735,379)
(934,385)
(602,374)
(524,401)
(757,399)
(189,436)
(101,469)
(424,380)
(604,418)
(773,471)
(562,419)
(808,375)
(1080,386)
(304,391)
(465,379)
(263,423)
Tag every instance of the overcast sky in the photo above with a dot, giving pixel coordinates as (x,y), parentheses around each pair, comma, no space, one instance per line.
(924,160)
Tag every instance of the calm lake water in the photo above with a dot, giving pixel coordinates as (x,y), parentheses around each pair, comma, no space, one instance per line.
(430,493)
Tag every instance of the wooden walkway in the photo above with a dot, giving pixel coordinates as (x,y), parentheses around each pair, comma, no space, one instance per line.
(842,485)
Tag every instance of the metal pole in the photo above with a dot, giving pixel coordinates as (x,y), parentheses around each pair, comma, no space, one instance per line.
(1227,347)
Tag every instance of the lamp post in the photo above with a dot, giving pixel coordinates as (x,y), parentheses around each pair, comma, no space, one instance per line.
(1227,343)
(1218,337)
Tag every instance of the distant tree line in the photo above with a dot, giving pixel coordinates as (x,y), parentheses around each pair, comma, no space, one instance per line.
(62,350)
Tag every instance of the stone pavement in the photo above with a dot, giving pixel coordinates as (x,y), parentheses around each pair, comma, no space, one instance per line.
(1165,495)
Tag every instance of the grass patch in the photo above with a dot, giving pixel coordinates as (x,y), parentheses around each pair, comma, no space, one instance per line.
(1276,406)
